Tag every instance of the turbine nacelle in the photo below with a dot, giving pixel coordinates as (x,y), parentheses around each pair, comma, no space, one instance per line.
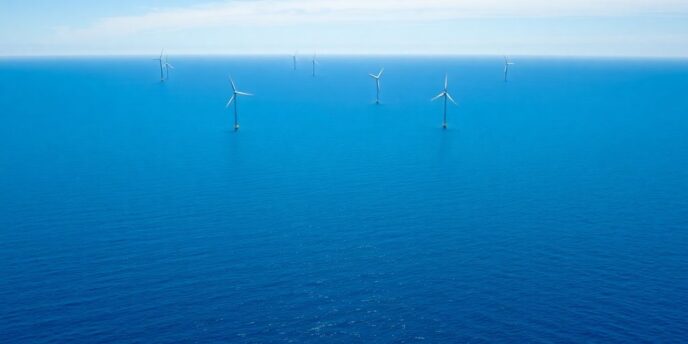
(235,93)
(376,77)
(445,92)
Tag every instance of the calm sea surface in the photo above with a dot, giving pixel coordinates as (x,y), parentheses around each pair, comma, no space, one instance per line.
(553,209)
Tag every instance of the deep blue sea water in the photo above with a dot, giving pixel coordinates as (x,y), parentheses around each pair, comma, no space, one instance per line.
(553,209)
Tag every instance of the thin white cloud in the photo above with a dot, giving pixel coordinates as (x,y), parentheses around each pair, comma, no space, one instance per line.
(261,13)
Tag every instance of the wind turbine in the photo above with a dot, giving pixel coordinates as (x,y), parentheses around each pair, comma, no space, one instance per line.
(446,95)
(167,68)
(314,63)
(294,57)
(159,59)
(377,84)
(235,96)
(507,63)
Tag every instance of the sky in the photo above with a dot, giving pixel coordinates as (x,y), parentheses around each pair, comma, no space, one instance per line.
(657,28)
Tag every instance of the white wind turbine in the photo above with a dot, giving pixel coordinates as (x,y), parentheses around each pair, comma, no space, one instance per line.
(507,63)
(235,96)
(167,68)
(377,84)
(314,63)
(160,61)
(447,96)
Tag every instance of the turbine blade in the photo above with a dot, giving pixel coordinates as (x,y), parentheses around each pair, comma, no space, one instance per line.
(380,74)
(373,76)
(229,102)
(231,81)
(451,99)
(446,82)
(169,65)
(438,96)
(243,93)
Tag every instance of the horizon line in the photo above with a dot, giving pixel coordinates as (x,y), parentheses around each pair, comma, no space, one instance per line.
(340,54)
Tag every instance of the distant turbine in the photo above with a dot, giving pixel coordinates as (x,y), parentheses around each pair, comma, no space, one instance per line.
(294,61)
(314,63)
(160,60)
(377,84)
(507,63)
(167,68)
(446,95)
(235,96)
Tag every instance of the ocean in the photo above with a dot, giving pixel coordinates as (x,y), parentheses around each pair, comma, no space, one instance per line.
(554,208)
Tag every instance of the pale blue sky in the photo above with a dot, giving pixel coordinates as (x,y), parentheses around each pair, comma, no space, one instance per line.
(527,27)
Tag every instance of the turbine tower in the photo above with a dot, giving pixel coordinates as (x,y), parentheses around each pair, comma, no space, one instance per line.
(235,98)
(507,63)
(294,58)
(377,84)
(314,63)
(160,61)
(167,68)
(447,96)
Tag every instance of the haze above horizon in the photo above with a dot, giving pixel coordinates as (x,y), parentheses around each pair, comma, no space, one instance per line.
(358,27)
